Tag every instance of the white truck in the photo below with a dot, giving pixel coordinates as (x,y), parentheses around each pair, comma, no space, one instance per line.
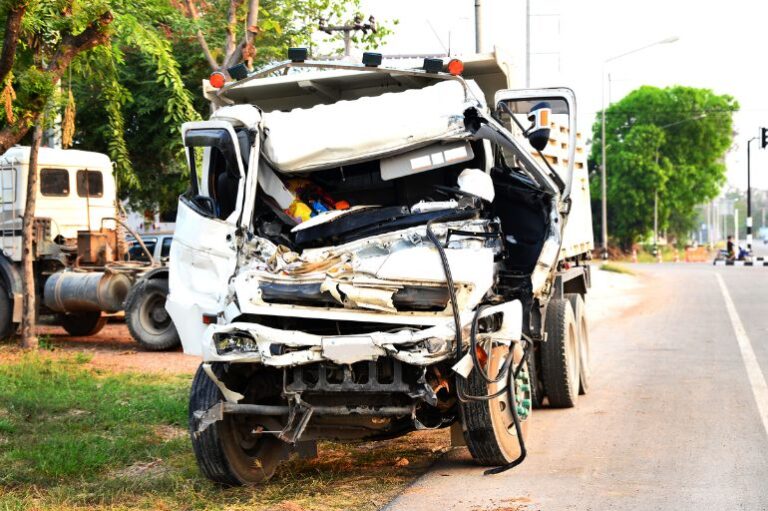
(80,272)
(365,251)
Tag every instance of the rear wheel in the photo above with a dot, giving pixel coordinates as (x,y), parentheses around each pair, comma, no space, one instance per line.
(145,315)
(560,355)
(83,324)
(489,428)
(233,451)
(582,327)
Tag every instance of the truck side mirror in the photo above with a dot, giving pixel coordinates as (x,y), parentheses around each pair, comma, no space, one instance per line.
(538,133)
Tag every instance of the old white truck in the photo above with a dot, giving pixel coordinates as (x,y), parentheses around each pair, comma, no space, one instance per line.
(79,269)
(365,251)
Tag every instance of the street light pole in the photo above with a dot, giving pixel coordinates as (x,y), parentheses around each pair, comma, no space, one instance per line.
(603,164)
(749,197)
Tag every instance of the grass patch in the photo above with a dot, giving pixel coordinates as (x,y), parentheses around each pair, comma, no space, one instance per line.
(75,438)
(616,268)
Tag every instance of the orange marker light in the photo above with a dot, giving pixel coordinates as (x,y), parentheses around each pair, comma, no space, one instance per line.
(455,67)
(217,79)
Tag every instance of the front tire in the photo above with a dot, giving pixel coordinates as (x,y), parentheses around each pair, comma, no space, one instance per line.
(145,315)
(83,324)
(228,452)
(489,429)
(560,355)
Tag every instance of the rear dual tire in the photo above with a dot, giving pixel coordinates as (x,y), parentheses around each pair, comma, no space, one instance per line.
(560,371)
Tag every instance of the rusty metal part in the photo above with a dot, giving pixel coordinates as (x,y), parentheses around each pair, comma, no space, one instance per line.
(71,291)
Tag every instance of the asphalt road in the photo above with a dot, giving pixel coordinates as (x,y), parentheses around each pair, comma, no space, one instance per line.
(673,420)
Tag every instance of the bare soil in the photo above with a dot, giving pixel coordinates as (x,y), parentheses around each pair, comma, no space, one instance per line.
(114,350)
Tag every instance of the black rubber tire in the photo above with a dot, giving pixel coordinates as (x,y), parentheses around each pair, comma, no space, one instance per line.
(489,433)
(582,325)
(6,313)
(534,370)
(219,456)
(560,355)
(145,315)
(83,324)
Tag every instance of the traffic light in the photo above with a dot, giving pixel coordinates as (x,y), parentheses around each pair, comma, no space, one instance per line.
(763,137)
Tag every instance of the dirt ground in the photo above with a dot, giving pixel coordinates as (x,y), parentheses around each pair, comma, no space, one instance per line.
(113,349)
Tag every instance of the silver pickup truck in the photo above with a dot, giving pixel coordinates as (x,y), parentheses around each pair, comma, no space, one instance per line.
(366,251)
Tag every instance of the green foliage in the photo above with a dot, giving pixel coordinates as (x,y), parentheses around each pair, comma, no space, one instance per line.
(670,140)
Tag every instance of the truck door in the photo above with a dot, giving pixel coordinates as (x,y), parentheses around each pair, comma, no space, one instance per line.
(203,254)
(547,118)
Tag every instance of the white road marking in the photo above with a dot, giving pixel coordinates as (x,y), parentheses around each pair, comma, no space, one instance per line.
(755,375)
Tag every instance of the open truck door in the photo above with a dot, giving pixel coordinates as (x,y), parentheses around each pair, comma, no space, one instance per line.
(547,118)
(203,254)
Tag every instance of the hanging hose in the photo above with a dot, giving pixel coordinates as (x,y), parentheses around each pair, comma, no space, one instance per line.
(503,371)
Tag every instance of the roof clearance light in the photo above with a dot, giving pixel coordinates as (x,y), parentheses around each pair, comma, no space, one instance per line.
(455,67)
(238,72)
(371,59)
(217,79)
(297,54)
(433,65)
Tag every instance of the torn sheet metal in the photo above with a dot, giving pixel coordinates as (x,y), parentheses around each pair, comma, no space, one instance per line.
(414,346)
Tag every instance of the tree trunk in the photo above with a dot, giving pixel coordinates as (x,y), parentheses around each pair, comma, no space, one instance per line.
(29,309)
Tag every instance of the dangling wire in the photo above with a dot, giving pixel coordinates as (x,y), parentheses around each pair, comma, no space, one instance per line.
(507,368)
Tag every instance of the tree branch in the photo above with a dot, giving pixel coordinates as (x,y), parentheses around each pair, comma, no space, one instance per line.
(95,34)
(230,42)
(71,45)
(200,37)
(11,40)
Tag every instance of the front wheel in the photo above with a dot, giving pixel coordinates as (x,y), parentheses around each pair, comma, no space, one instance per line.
(145,315)
(233,451)
(83,324)
(489,427)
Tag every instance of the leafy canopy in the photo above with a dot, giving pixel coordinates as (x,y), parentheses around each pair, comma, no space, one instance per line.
(672,141)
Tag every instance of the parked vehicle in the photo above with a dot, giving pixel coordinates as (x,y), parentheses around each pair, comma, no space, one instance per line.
(145,314)
(366,251)
(79,272)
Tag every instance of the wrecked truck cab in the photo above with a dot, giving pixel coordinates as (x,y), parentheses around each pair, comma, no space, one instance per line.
(365,266)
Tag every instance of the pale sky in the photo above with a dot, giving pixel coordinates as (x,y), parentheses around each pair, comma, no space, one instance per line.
(720,47)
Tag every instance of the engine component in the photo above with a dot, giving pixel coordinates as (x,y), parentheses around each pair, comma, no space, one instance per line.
(71,291)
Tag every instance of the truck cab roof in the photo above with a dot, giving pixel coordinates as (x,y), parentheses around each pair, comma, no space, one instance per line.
(307,88)
(59,157)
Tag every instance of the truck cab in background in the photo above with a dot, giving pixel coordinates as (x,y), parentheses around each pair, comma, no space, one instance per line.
(79,245)
(366,251)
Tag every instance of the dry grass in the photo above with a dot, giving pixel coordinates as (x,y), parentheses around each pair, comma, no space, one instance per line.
(76,438)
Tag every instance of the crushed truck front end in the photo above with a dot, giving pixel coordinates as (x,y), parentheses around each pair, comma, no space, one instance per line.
(336,270)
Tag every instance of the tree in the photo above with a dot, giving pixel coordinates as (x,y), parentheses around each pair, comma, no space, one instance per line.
(203,36)
(696,131)
(43,40)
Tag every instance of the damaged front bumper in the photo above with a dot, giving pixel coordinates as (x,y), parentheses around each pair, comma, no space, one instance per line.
(244,342)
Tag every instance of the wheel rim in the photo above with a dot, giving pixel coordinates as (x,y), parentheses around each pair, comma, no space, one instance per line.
(153,316)
(500,409)
(251,454)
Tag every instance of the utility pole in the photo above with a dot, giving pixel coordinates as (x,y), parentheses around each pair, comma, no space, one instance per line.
(749,197)
(656,223)
(527,44)
(356,25)
(478,26)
